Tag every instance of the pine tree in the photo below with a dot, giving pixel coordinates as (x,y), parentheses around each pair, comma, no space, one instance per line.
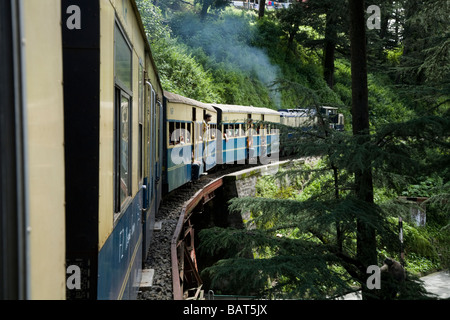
(316,246)
(328,18)
(424,70)
(309,245)
(366,244)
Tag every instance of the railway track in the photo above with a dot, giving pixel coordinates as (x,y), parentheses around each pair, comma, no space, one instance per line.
(159,255)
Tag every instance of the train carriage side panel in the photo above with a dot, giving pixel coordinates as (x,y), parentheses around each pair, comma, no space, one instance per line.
(209,136)
(256,116)
(236,138)
(159,161)
(197,142)
(120,257)
(103,82)
(272,135)
(179,141)
(153,95)
(44,100)
(107,139)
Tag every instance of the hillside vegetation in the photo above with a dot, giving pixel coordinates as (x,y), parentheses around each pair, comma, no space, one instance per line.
(232,57)
(315,237)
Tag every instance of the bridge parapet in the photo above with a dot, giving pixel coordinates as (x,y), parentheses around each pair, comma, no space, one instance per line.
(243,183)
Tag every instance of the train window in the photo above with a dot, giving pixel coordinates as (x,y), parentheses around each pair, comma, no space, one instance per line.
(123,117)
(122,149)
(122,59)
(229,130)
(171,131)
(199,130)
(188,133)
(213,129)
(183,133)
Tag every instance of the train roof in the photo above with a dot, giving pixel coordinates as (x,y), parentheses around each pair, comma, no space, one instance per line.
(229,108)
(305,112)
(176,98)
(306,109)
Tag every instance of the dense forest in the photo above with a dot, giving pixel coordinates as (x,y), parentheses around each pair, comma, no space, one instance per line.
(388,72)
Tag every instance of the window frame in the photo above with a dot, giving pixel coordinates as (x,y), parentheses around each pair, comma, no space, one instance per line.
(121,90)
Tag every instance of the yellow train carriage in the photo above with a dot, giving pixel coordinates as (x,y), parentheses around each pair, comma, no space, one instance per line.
(235,123)
(245,134)
(32,151)
(308,118)
(112,100)
(268,136)
(189,139)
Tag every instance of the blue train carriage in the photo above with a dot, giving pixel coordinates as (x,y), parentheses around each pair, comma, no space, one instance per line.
(262,135)
(111,98)
(189,139)
(268,135)
(234,124)
(32,188)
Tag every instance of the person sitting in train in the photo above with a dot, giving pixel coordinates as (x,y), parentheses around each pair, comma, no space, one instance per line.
(181,139)
(205,124)
(250,133)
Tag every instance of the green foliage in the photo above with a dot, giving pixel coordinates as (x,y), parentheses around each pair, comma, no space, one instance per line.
(242,73)
(441,241)
(425,188)
(420,265)
(178,69)
(424,70)
(384,104)
(305,241)
(394,55)
(310,211)
(180,73)
(153,21)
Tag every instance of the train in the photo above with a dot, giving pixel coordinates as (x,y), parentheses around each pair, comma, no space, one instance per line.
(91,142)
(309,117)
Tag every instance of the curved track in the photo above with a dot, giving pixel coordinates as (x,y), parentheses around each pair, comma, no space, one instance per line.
(159,255)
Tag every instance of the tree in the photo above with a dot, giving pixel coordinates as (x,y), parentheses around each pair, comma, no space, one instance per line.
(306,242)
(328,18)
(424,69)
(313,245)
(206,4)
(179,71)
(366,242)
(334,12)
(262,8)
(291,19)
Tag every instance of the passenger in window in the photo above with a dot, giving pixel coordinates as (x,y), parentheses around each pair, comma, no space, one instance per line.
(205,124)
(250,133)
(181,138)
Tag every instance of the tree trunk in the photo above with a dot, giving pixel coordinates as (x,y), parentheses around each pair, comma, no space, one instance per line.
(366,242)
(292,34)
(330,44)
(262,7)
(204,11)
